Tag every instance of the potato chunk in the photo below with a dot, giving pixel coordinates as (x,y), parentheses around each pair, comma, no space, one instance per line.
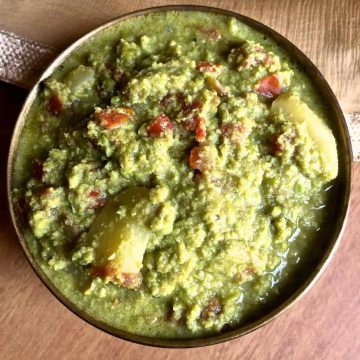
(119,236)
(80,80)
(320,134)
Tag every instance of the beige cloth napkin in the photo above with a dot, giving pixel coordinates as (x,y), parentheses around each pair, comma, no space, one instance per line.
(22,62)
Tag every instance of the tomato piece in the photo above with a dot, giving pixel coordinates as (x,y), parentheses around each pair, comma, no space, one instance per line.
(227,129)
(197,124)
(269,86)
(247,273)
(205,66)
(55,105)
(159,126)
(197,159)
(200,132)
(99,200)
(278,142)
(211,310)
(232,131)
(190,107)
(94,193)
(112,119)
(189,124)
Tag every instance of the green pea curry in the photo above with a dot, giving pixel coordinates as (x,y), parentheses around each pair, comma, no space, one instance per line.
(173,172)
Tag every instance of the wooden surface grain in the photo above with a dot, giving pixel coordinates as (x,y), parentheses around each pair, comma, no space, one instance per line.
(324,325)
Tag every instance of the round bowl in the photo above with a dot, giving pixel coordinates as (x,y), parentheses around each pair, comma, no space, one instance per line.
(331,235)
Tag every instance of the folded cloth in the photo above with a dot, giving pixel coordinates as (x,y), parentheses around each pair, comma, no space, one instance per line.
(22,61)
(353,123)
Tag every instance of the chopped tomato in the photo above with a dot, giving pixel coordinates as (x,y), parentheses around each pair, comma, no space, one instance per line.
(227,129)
(190,107)
(99,200)
(211,310)
(55,105)
(189,124)
(197,124)
(197,159)
(232,131)
(200,132)
(159,126)
(269,86)
(178,99)
(205,66)
(94,193)
(112,119)
(245,274)
(278,142)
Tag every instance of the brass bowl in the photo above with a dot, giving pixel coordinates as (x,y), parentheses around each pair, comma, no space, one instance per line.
(332,234)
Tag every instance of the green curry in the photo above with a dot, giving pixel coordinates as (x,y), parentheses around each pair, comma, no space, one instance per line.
(181,175)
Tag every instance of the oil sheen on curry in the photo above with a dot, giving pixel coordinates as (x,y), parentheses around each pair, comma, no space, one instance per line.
(173,173)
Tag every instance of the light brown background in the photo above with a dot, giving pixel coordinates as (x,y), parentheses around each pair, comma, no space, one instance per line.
(323,325)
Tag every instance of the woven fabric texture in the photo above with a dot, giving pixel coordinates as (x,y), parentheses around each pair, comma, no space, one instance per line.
(353,122)
(21,60)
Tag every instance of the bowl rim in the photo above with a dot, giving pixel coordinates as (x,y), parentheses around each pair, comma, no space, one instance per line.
(295,296)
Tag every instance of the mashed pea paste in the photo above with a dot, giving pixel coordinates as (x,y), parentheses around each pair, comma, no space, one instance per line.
(172,173)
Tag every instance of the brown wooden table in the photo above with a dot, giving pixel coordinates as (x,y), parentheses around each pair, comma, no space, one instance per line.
(325,324)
